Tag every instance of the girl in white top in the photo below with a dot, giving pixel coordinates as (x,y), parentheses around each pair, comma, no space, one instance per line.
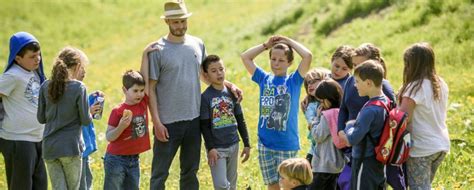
(424,95)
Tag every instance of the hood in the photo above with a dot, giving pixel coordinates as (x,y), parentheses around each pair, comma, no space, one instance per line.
(17,42)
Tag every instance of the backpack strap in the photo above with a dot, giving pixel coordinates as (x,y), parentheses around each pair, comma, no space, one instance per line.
(384,106)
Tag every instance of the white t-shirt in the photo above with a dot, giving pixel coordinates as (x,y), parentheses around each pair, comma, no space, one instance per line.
(428,128)
(20,89)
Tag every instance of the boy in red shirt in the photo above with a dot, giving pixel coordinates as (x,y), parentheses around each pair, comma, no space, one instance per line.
(127,134)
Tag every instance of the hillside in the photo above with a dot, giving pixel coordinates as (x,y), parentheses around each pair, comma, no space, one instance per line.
(113,35)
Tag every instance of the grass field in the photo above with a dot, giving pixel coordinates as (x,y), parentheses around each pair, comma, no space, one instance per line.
(113,34)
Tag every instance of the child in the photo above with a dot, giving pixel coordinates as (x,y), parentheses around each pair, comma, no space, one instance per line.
(311,81)
(127,134)
(328,161)
(352,103)
(279,95)
(221,118)
(63,106)
(424,96)
(295,174)
(20,131)
(341,64)
(367,128)
(90,145)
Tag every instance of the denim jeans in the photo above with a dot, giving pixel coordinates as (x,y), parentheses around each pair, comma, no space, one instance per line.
(65,172)
(121,172)
(185,135)
(86,177)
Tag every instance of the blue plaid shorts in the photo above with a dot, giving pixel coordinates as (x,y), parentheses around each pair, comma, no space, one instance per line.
(269,160)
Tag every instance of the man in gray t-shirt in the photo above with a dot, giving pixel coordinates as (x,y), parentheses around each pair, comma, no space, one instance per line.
(173,68)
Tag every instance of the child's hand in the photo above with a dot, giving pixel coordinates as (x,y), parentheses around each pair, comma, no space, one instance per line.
(212,157)
(304,104)
(150,47)
(125,121)
(245,153)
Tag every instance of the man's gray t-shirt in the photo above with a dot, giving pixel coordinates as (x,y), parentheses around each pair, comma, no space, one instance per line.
(176,67)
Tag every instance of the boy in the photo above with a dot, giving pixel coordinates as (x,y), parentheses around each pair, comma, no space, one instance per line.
(367,128)
(279,96)
(127,134)
(295,174)
(20,132)
(221,117)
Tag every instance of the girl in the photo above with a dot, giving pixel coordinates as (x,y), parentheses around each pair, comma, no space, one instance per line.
(311,81)
(424,96)
(352,103)
(63,107)
(341,64)
(328,161)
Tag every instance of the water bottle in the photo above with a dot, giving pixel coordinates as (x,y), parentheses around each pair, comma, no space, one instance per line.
(98,100)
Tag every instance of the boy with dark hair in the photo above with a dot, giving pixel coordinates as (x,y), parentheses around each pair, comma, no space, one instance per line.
(20,132)
(127,134)
(368,126)
(221,118)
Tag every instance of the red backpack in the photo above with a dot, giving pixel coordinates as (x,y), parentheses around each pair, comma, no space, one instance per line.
(395,141)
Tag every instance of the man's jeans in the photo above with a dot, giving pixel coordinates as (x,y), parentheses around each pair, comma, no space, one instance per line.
(184,134)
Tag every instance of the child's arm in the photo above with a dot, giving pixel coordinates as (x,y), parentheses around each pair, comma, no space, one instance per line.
(114,132)
(244,135)
(304,52)
(343,111)
(249,55)
(321,131)
(83,107)
(40,114)
(144,68)
(361,126)
(408,105)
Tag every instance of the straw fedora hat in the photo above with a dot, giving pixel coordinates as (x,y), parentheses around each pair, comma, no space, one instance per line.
(175,10)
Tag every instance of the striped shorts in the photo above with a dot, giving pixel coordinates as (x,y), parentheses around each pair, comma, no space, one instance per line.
(269,160)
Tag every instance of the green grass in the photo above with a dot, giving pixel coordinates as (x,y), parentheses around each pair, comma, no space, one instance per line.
(113,34)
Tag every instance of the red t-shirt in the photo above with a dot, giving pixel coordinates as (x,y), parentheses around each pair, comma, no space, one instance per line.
(135,138)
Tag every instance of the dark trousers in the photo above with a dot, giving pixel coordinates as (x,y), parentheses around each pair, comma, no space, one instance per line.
(324,181)
(24,165)
(367,174)
(185,135)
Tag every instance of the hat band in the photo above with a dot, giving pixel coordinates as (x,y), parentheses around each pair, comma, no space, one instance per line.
(174,12)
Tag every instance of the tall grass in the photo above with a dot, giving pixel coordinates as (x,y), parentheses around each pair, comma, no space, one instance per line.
(113,34)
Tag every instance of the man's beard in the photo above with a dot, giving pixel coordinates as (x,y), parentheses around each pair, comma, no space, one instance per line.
(178,33)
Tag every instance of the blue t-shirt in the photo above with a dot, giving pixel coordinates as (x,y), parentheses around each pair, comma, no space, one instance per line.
(370,121)
(278,120)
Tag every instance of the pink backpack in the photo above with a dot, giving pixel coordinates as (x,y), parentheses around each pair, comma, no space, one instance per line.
(331,116)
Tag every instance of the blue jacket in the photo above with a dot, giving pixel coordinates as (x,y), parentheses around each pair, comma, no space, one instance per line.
(88,134)
(17,42)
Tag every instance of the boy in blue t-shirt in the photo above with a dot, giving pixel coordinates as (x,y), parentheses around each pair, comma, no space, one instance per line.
(279,94)
(365,132)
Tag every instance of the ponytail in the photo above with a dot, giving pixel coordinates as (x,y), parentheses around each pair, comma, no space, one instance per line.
(58,81)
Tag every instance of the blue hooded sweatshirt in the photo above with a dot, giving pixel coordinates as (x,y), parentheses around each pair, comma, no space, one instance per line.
(17,42)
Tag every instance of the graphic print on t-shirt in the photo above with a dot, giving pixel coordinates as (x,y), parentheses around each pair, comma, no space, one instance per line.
(275,106)
(32,91)
(222,112)
(139,128)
